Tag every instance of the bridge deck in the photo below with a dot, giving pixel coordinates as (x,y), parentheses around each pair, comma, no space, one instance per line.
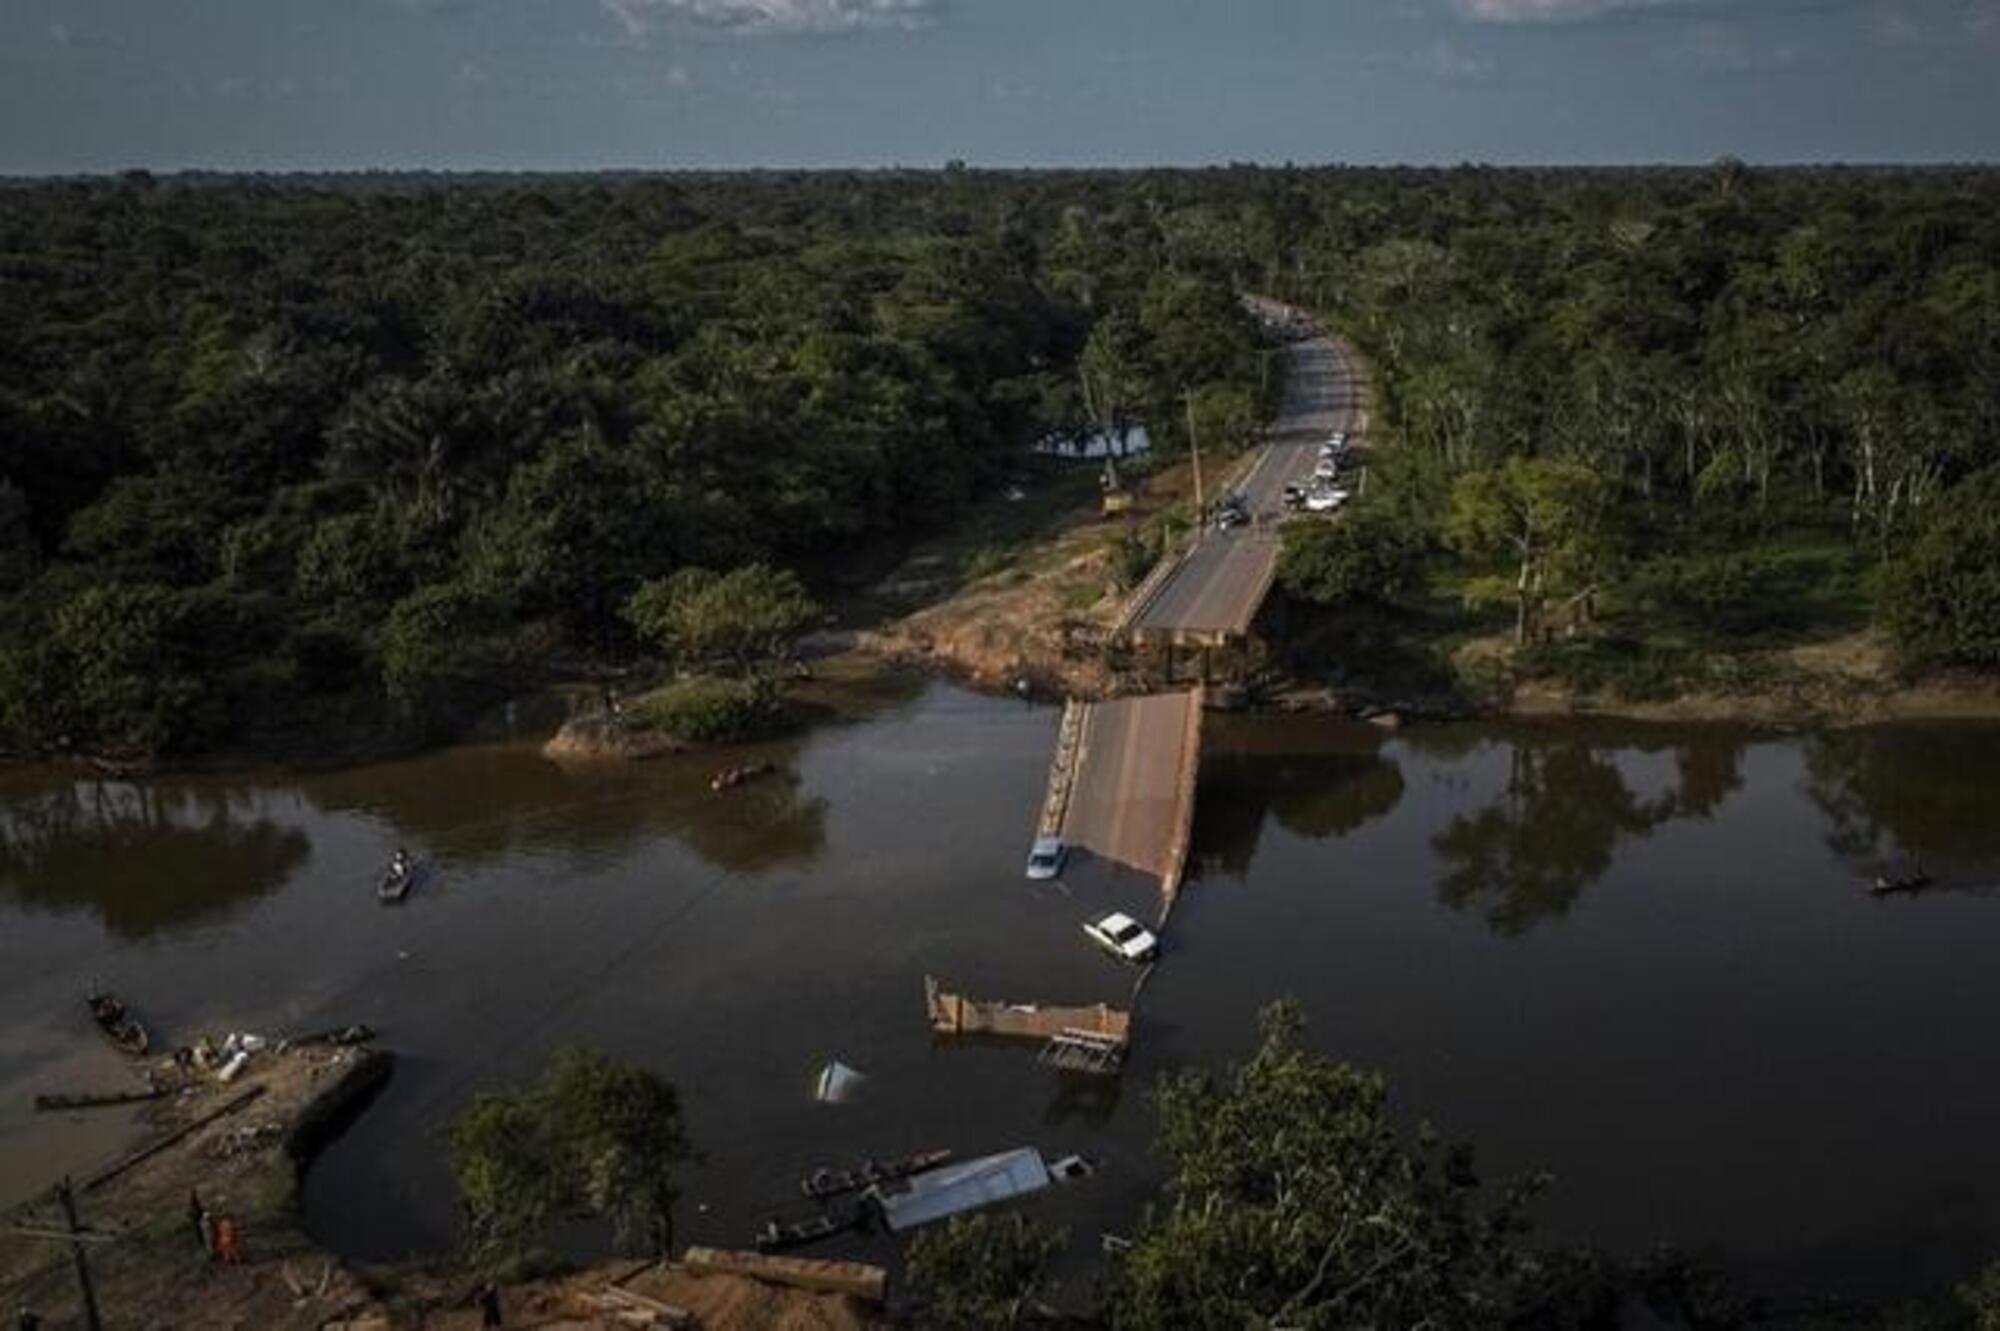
(1131,782)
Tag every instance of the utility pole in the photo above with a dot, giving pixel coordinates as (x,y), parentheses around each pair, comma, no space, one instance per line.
(1194,447)
(84,1287)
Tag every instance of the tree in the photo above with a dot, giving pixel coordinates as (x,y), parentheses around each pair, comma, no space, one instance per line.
(1369,556)
(116,667)
(982,1272)
(1941,597)
(1112,371)
(1545,517)
(440,642)
(699,617)
(592,1139)
(1292,1200)
(1981,1298)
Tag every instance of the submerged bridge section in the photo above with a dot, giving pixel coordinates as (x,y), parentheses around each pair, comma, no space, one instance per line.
(1122,786)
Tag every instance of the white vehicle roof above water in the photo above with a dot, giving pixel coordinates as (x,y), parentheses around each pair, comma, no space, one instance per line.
(1119,933)
(1045,857)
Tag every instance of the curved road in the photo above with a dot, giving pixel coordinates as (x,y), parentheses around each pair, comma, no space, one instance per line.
(1221,582)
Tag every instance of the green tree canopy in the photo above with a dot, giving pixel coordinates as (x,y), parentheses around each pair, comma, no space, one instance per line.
(982,1272)
(593,1138)
(1367,556)
(1293,1201)
(1941,595)
(700,617)
(1544,517)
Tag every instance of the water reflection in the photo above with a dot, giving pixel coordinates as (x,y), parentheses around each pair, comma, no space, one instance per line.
(1565,806)
(143,857)
(1318,782)
(472,808)
(1923,792)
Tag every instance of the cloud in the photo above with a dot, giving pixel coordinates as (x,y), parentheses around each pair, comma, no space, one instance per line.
(1549,11)
(776,16)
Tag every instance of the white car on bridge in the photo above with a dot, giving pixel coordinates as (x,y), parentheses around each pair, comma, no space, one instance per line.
(1123,937)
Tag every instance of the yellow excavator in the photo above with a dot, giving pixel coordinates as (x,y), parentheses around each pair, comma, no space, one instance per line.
(1117,495)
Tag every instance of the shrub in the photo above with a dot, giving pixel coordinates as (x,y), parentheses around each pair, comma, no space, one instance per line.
(706,710)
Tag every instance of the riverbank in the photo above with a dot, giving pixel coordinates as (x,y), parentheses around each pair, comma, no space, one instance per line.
(242,1147)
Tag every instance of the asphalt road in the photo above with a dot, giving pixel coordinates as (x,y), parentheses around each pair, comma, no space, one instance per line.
(1127,805)
(1222,582)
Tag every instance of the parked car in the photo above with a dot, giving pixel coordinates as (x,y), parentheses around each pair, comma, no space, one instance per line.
(1326,470)
(1294,496)
(1123,937)
(1230,517)
(1045,858)
(1325,501)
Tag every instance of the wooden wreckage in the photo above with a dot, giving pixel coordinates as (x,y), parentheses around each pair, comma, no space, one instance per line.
(1091,1039)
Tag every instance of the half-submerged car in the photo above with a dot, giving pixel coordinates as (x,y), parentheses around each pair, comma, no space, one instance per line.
(1045,858)
(1123,937)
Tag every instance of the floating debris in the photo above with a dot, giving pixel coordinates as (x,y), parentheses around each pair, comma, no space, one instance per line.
(836,1083)
(943,1193)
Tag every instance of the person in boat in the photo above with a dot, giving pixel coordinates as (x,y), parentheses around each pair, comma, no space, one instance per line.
(399,863)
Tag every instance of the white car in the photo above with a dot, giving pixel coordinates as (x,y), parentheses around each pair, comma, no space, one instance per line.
(1326,470)
(1123,937)
(1045,858)
(1325,501)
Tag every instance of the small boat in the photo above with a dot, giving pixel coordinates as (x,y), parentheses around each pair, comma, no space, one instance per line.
(118,1024)
(731,777)
(1912,879)
(824,1183)
(777,1235)
(397,879)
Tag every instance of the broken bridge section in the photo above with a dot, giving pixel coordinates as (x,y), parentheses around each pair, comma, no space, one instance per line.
(1123,787)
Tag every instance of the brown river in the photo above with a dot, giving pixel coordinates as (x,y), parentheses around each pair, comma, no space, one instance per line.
(1641,959)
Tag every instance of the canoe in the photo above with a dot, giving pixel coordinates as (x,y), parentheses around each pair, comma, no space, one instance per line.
(119,1025)
(731,777)
(780,1234)
(397,880)
(1887,886)
(824,1183)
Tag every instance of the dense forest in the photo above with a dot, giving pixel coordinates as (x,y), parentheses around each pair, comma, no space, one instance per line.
(1686,411)
(271,453)
(276,453)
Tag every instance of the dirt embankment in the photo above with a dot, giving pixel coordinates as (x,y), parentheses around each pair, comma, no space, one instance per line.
(242,1146)
(1848,681)
(1043,616)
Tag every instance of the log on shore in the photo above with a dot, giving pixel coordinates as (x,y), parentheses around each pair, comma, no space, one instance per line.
(855,1279)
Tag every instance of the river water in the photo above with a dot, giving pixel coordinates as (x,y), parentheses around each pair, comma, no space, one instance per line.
(1638,958)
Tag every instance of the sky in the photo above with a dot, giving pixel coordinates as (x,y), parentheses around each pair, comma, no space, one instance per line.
(106,85)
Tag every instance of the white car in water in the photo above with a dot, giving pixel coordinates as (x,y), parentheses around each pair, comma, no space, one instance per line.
(1123,937)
